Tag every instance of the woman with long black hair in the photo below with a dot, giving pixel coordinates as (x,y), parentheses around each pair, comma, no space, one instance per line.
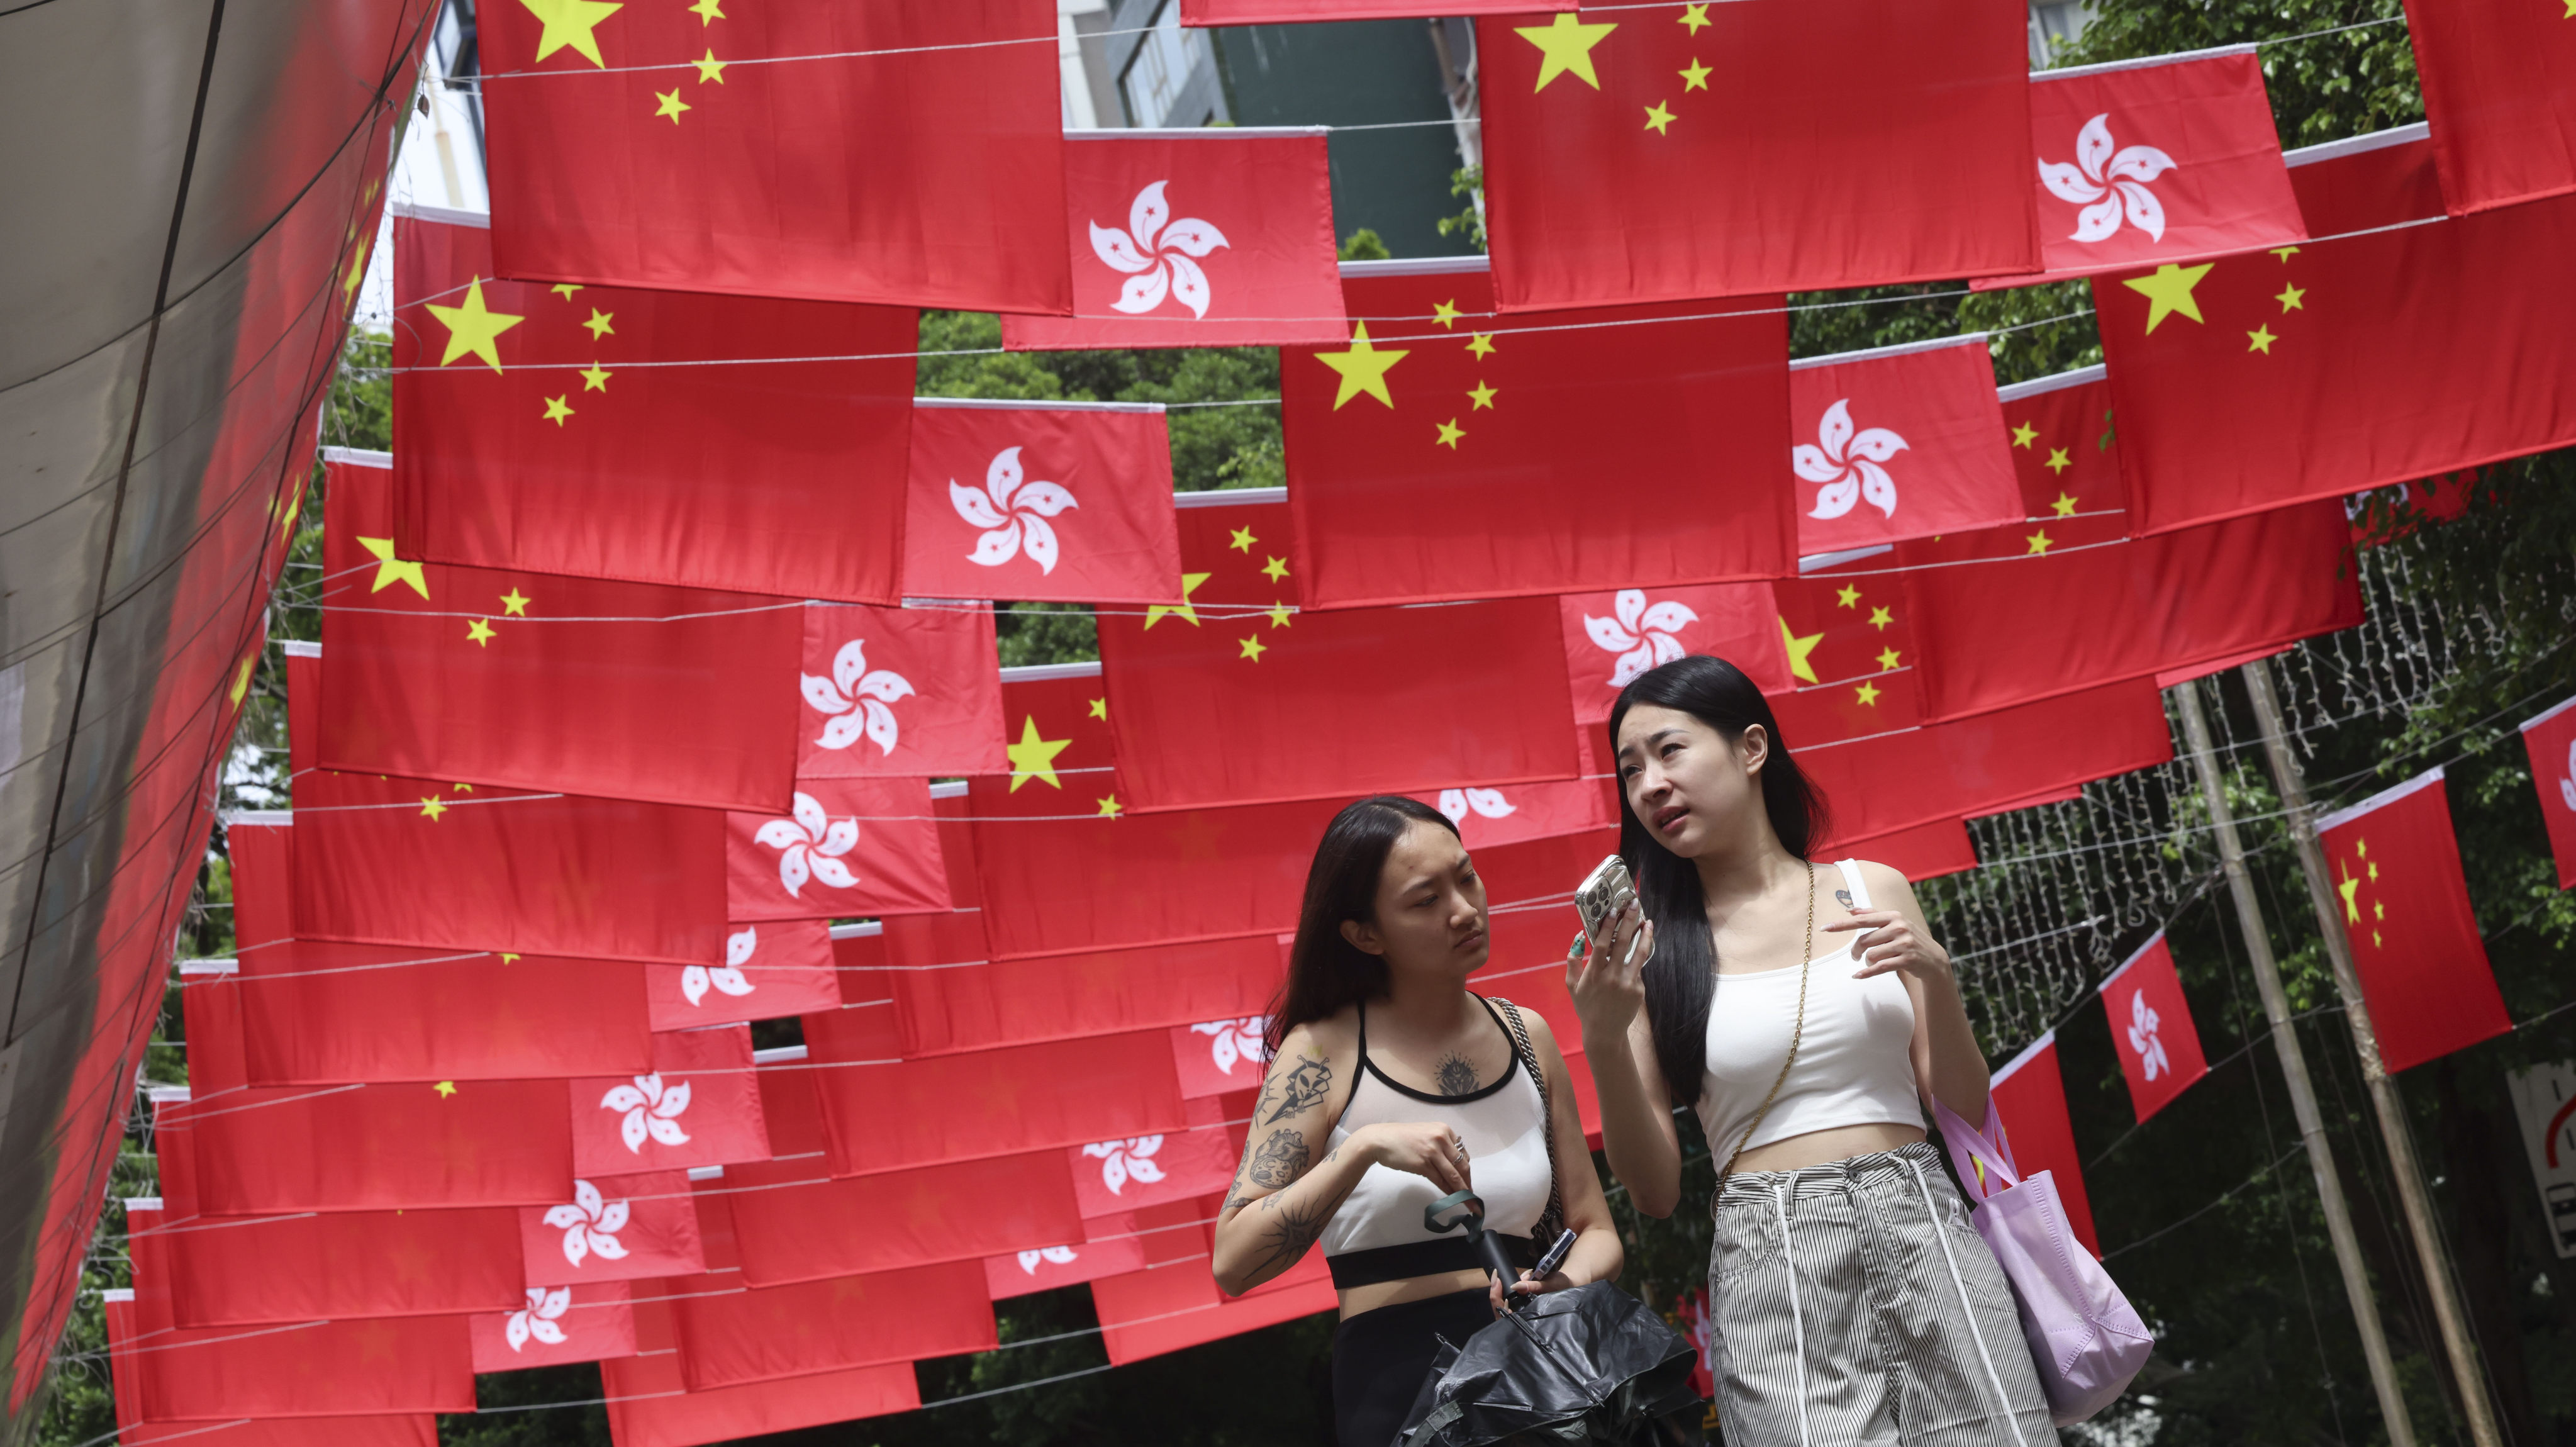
(1391,1085)
(1810,1018)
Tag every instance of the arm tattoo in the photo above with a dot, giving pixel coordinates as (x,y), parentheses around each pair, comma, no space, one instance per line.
(1456,1075)
(1280,1160)
(1298,1227)
(1304,1085)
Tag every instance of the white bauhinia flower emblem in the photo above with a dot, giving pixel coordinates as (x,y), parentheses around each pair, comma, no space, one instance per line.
(2103,182)
(1157,257)
(1012,512)
(810,846)
(537,1318)
(1123,1161)
(1060,1255)
(1642,633)
(1235,1040)
(1483,803)
(2142,1037)
(1847,463)
(2567,786)
(728,977)
(856,696)
(590,1224)
(652,1109)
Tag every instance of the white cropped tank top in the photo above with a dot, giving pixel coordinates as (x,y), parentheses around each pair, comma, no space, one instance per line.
(1854,1064)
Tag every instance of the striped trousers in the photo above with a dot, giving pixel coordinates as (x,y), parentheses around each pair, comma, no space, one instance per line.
(1852,1304)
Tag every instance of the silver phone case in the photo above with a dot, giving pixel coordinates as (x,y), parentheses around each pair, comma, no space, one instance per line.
(1603,893)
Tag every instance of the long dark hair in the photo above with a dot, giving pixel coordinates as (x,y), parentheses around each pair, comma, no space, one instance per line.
(1326,971)
(1681,979)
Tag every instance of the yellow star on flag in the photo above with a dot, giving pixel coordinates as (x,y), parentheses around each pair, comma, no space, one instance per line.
(1181,610)
(1867,694)
(1695,76)
(1445,313)
(1481,343)
(510,959)
(2040,542)
(357,271)
(1034,757)
(569,22)
(478,632)
(2168,290)
(1566,47)
(1243,540)
(2349,889)
(1252,648)
(471,328)
(2025,435)
(1275,569)
(2293,298)
(445,1088)
(1109,807)
(564,289)
(1847,596)
(599,323)
(1450,433)
(2065,504)
(514,604)
(708,12)
(594,378)
(1279,615)
(1695,17)
(2058,461)
(2260,340)
(1482,396)
(391,570)
(1100,708)
(557,409)
(1658,119)
(710,68)
(671,105)
(1879,618)
(1363,368)
(1799,648)
(2285,253)
(241,680)
(433,806)
(1887,659)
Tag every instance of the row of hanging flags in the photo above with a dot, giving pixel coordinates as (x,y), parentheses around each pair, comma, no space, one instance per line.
(644,649)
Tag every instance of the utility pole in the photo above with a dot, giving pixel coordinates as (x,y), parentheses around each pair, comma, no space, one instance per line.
(2449,1312)
(2294,1068)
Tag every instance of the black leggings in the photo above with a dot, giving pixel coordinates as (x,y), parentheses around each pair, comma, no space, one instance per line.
(1381,1356)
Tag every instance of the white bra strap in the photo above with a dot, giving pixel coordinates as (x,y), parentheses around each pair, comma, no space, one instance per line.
(1851,879)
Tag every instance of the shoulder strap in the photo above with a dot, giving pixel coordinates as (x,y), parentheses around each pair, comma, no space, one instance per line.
(1551,1222)
(1852,881)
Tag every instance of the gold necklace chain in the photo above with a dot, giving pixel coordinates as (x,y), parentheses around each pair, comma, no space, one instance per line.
(1796,1032)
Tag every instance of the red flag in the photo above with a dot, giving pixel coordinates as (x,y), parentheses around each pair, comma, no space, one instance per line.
(2495,88)
(2151,1028)
(671,694)
(1138,1171)
(1066,501)
(409,1430)
(314,1266)
(561,429)
(1488,817)
(1267,12)
(1219,1057)
(1847,629)
(898,693)
(614,1228)
(1206,237)
(270,1151)
(651,1405)
(887,154)
(2415,940)
(1235,698)
(698,1106)
(2338,365)
(1921,852)
(2168,158)
(1650,155)
(554,1325)
(771,970)
(847,847)
(949,996)
(314,1369)
(790,1228)
(1148,1313)
(1898,442)
(1610,638)
(2028,1099)
(2551,741)
(1045,1269)
(731,1337)
(2378,179)
(1451,455)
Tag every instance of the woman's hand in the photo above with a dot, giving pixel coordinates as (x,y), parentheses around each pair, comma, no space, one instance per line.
(1426,1148)
(1609,986)
(1528,1286)
(1893,943)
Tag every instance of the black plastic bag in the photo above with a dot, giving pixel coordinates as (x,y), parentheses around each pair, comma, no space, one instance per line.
(1590,1365)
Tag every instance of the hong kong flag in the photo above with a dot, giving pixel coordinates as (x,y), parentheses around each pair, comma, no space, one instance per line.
(2551,740)
(1697,151)
(903,693)
(877,153)
(1527,811)
(622,690)
(2496,88)
(565,430)
(1204,237)
(1610,638)
(1435,452)
(2415,942)
(554,1325)
(1233,697)
(2167,159)
(790,1228)
(1134,1172)
(952,999)
(613,1228)
(2322,369)
(2027,1100)
(1219,1057)
(729,1337)
(2151,1028)
(1049,501)
(1048,1267)
(848,847)
(1899,442)
(698,1106)
(771,970)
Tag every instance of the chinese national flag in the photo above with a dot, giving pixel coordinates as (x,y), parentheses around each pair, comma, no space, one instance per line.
(650,1404)
(771,970)
(330,1369)
(877,153)
(2415,941)
(790,1228)
(553,1325)
(1219,1057)
(698,1106)
(1047,1268)
(1901,442)
(1046,501)
(314,1266)
(2151,1028)
(1847,632)
(1215,237)
(270,1151)
(1234,697)
(547,429)
(2498,90)
(2551,741)
(1610,638)
(903,693)
(1454,455)
(1269,12)
(1135,1172)
(2028,1099)
(848,847)
(1650,155)
(2156,160)
(613,1228)
(949,996)
(674,695)
(2341,364)
(730,1337)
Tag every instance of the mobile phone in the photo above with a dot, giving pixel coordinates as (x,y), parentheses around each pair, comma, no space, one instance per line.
(1603,893)
(1555,1256)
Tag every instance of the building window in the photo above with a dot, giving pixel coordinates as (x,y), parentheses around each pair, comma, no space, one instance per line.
(1162,65)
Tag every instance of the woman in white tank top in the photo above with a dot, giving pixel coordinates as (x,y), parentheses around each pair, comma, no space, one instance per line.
(1391,1085)
(1808,1016)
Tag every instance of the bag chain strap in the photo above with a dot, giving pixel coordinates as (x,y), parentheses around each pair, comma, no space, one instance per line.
(1796,1032)
(1551,1222)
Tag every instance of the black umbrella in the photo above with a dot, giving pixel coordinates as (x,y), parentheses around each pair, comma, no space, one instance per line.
(1590,1365)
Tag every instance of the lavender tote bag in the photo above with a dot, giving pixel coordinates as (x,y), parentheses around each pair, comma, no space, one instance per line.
(2085,1339)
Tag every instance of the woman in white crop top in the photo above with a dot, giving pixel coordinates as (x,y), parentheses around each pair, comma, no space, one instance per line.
(1391,1085)
(1808,1016)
